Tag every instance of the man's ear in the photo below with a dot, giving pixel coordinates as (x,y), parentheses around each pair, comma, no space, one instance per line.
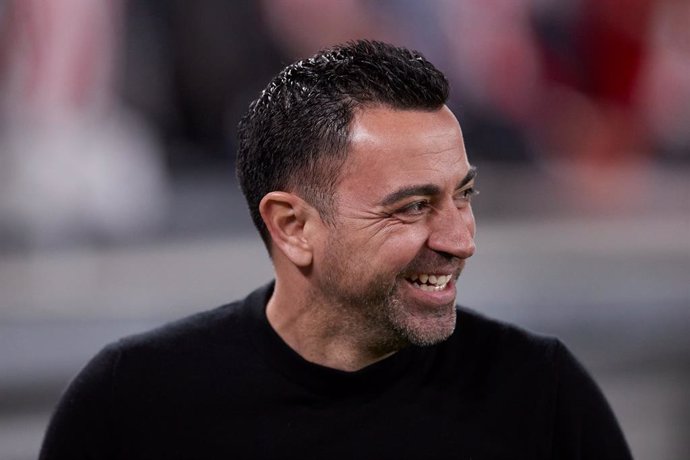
(287,217)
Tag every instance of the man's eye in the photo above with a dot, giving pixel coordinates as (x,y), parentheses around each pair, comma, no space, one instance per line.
(468,193)
(416,208)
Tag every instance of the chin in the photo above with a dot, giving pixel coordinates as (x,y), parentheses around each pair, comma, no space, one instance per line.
(426,330)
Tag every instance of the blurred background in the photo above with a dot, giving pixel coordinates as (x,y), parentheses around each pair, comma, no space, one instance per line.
(119,208)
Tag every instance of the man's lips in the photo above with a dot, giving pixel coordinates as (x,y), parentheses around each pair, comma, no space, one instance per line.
(437,289)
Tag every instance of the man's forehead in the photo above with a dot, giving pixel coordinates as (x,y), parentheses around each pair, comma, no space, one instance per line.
(390,148)
(370,123)
(386,134)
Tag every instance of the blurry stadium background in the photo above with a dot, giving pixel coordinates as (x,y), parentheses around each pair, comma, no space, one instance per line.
(119,209)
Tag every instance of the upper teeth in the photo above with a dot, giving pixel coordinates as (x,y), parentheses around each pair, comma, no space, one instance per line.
(437,280)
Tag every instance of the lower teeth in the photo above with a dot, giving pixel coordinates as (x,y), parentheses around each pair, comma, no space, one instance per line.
(430,288)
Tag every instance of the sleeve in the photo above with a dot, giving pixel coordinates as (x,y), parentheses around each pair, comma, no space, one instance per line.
(585,426)
(82,426)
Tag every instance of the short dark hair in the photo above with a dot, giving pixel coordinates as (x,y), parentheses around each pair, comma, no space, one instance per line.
(294,137)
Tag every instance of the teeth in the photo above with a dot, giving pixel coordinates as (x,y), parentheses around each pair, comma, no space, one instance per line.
(435,282)
(429,288)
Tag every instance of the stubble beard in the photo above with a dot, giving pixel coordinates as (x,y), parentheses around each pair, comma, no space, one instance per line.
(376,311)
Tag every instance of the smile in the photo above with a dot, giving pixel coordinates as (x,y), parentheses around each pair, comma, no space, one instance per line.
(429,283)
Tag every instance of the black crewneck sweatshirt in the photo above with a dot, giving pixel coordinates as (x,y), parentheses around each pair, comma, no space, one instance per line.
(222,384)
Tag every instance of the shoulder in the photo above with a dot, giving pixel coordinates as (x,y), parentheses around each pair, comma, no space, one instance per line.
(504,340)
(499,358)
(198,328)
(537,377)
(516,349)
(174,356)
(219,326)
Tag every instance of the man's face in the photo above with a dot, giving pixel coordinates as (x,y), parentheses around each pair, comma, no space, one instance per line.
(403,226)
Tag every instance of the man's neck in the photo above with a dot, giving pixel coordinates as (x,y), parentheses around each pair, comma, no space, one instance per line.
(321,334)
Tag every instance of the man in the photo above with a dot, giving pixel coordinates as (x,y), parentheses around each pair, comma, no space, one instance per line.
(357,179)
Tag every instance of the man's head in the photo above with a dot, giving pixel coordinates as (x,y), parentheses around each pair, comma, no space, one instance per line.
(295,136)
(355,170)
(404,226)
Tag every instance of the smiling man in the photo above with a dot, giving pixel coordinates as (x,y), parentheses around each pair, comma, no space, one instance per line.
(382,274)
(356,176)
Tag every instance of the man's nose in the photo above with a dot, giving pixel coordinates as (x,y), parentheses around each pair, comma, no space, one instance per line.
(452,231)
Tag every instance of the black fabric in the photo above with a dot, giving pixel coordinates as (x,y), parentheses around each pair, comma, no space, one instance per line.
(222,384)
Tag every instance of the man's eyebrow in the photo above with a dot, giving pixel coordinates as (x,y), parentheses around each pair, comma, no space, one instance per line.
(411,190)
(471,174)
(424,189)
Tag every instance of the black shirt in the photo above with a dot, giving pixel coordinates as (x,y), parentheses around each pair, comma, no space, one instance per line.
(222,384)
